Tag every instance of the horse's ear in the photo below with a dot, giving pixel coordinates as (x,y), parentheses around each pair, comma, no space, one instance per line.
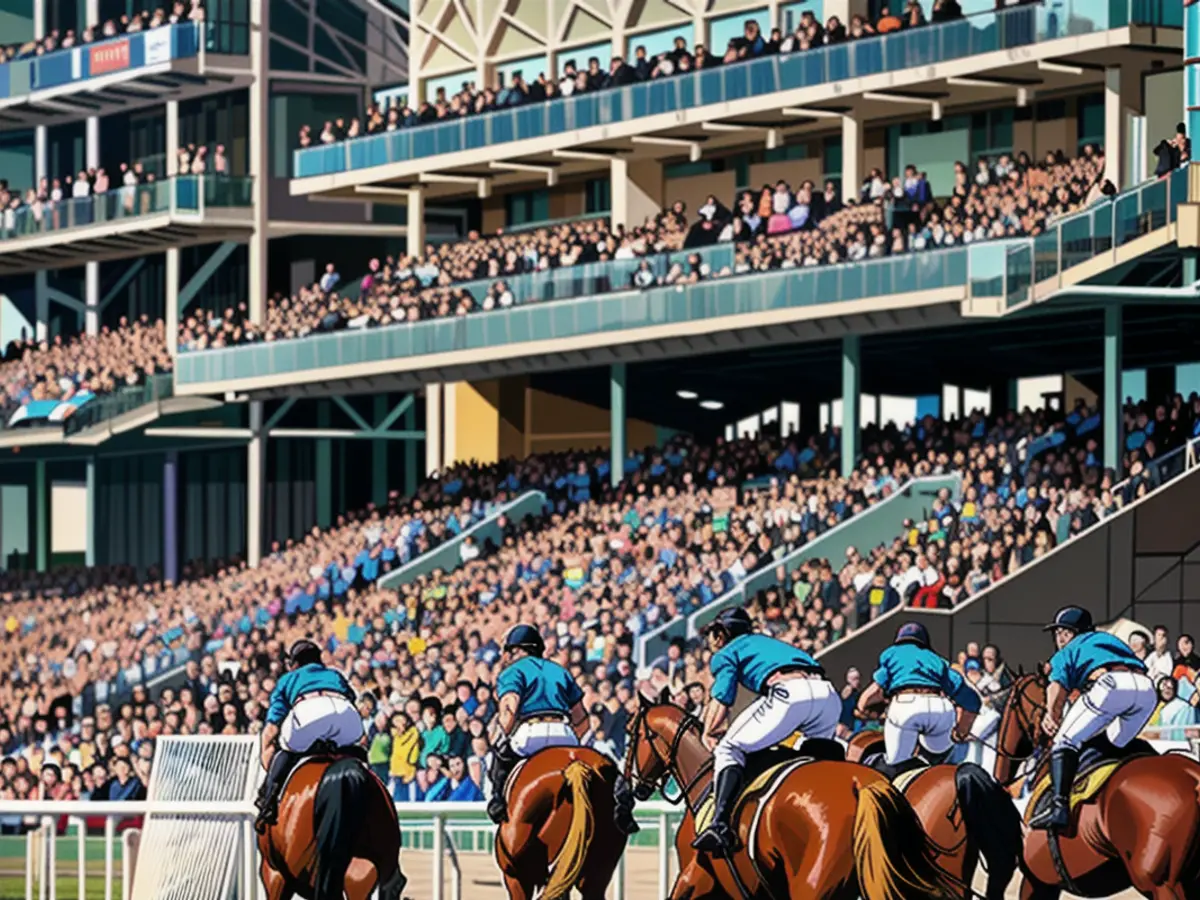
(1021,670)
(643,701)
(664,696)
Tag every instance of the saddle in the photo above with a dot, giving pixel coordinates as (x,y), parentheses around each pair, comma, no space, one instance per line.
(1098,760)
(324,750)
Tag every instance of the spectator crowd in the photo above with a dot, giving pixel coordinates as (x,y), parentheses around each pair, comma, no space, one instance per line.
(147,19)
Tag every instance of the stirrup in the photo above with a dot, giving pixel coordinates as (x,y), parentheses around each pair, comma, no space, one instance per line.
(1056,817)
(716,838)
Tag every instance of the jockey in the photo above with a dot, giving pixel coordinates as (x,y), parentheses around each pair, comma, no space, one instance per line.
(310,704)
(922,692)
(1116,695)
(540,706)
(794,697)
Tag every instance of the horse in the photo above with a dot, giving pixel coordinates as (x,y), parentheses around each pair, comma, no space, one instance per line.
(560,833)
(831,830)
(336,835)
(966,813)
(1142,829)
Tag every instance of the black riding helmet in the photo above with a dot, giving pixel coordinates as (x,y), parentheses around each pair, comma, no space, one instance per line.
(732,622)
(527,638)
(304,652)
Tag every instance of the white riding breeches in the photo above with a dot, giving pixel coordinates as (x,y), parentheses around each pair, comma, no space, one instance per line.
(1120,703)
(530,737)
(320,717)
(808,705)
(927,718)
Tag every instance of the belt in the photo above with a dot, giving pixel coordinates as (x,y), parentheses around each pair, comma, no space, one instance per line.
(927,691)
(1105,670)
(789,672)
(545,717)
(321,694)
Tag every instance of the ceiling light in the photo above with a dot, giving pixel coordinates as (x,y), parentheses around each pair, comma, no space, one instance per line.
(712,404)
(686,395)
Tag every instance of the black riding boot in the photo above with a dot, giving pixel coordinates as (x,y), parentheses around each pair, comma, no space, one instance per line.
(623,807)
(503,762)
(719,836)
(892,771)
(268,795)
(1064,762)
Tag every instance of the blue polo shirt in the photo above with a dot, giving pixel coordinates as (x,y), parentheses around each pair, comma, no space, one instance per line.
(911,666)
(305,680)
(751,659)
(542,686)
(1073,664)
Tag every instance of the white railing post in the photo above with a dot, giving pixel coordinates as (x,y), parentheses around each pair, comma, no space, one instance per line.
(455,870)
(30,866)
(438,850)
(128,839)
(664,855)
(81,856)
(51,827)
(110,832)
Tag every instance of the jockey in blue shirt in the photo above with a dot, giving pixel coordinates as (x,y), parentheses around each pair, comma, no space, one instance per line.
(540,706)
(1116,697)
(928,702)
(793,696)
(310,705)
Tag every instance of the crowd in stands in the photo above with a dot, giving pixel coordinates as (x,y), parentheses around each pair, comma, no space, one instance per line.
(777,227)
(60,369)
(179,11)
(574,79)
(600,567)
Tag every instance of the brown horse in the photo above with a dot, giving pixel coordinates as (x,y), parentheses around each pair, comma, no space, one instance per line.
(1142,830)
(831,831)
(560,832)
(337,835)
(966,814)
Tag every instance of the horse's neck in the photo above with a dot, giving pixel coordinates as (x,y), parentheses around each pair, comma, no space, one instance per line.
(690,761)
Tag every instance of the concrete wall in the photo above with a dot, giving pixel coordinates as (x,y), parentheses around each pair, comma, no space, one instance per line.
(1143,564)
(694,189)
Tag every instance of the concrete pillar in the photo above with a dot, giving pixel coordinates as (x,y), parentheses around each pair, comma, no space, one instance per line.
(41,515)
(40,154)
(415,238)
(450,443)
(853,154)
(851,393)
(170,523)
(171,304)
(323,474)
(410,453)
(1114,438)
(255,464)
(89,547)
(91,13)
(379,455)
(433,428)
(1003,393)
(616,408)
(41,305)
(172,138)
(39,19)
(1121,104)
(259,157)
(637,191)
(91,279)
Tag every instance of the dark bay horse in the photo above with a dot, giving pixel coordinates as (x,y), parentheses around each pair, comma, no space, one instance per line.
(337,835)
(1142,830)
(966,813)
(560,832)
(832,830)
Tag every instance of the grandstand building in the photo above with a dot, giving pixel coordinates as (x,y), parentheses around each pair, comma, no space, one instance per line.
(212,210)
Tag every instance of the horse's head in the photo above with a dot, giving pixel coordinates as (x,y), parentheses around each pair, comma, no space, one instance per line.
(652,743)
(1020,734)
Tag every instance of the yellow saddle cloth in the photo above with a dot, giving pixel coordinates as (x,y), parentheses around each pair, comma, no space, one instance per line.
(760,783)
(1085,788)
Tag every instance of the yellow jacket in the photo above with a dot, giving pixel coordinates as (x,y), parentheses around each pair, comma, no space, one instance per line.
(406,750)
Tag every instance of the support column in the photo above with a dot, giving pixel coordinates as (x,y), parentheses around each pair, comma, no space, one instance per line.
(379,455)
(637,191)
(1120,105)
(433,428)
(41,305)
(415,239)
(851,393)
(41,517)
(1160,383)
(853,162)
(616,380)
(1003,395)
(91,279)
(171,319)
(324,469)
(170,567)
(89,551)
(259,158)
(255,464)
(39,19)
(1112,416)
(410,452)
(40,154)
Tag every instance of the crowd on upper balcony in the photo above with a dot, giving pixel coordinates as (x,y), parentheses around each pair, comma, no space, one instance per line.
(179,11)
(580,79)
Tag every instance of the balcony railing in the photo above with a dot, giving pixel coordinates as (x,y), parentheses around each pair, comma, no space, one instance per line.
(156,388)
(181,194)
(981,33)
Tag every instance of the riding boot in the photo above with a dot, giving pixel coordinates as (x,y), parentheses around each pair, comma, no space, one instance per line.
(268,795)
(1064,761)
(892,771)
(719,835)
(623,807)
(503,762)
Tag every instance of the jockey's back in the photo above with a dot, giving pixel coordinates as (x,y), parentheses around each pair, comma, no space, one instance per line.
(313,678)
(541,685)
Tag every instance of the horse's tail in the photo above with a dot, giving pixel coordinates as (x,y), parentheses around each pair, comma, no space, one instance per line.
(893,857)
(568,865)
(337,813)
(992,822)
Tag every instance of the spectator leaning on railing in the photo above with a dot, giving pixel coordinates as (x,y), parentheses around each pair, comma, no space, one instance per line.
(180,11)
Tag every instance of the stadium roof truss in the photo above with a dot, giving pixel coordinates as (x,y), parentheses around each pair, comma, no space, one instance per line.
(379,56)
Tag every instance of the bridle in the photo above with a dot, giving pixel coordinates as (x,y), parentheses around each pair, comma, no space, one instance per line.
(1028,722)
(668,757)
